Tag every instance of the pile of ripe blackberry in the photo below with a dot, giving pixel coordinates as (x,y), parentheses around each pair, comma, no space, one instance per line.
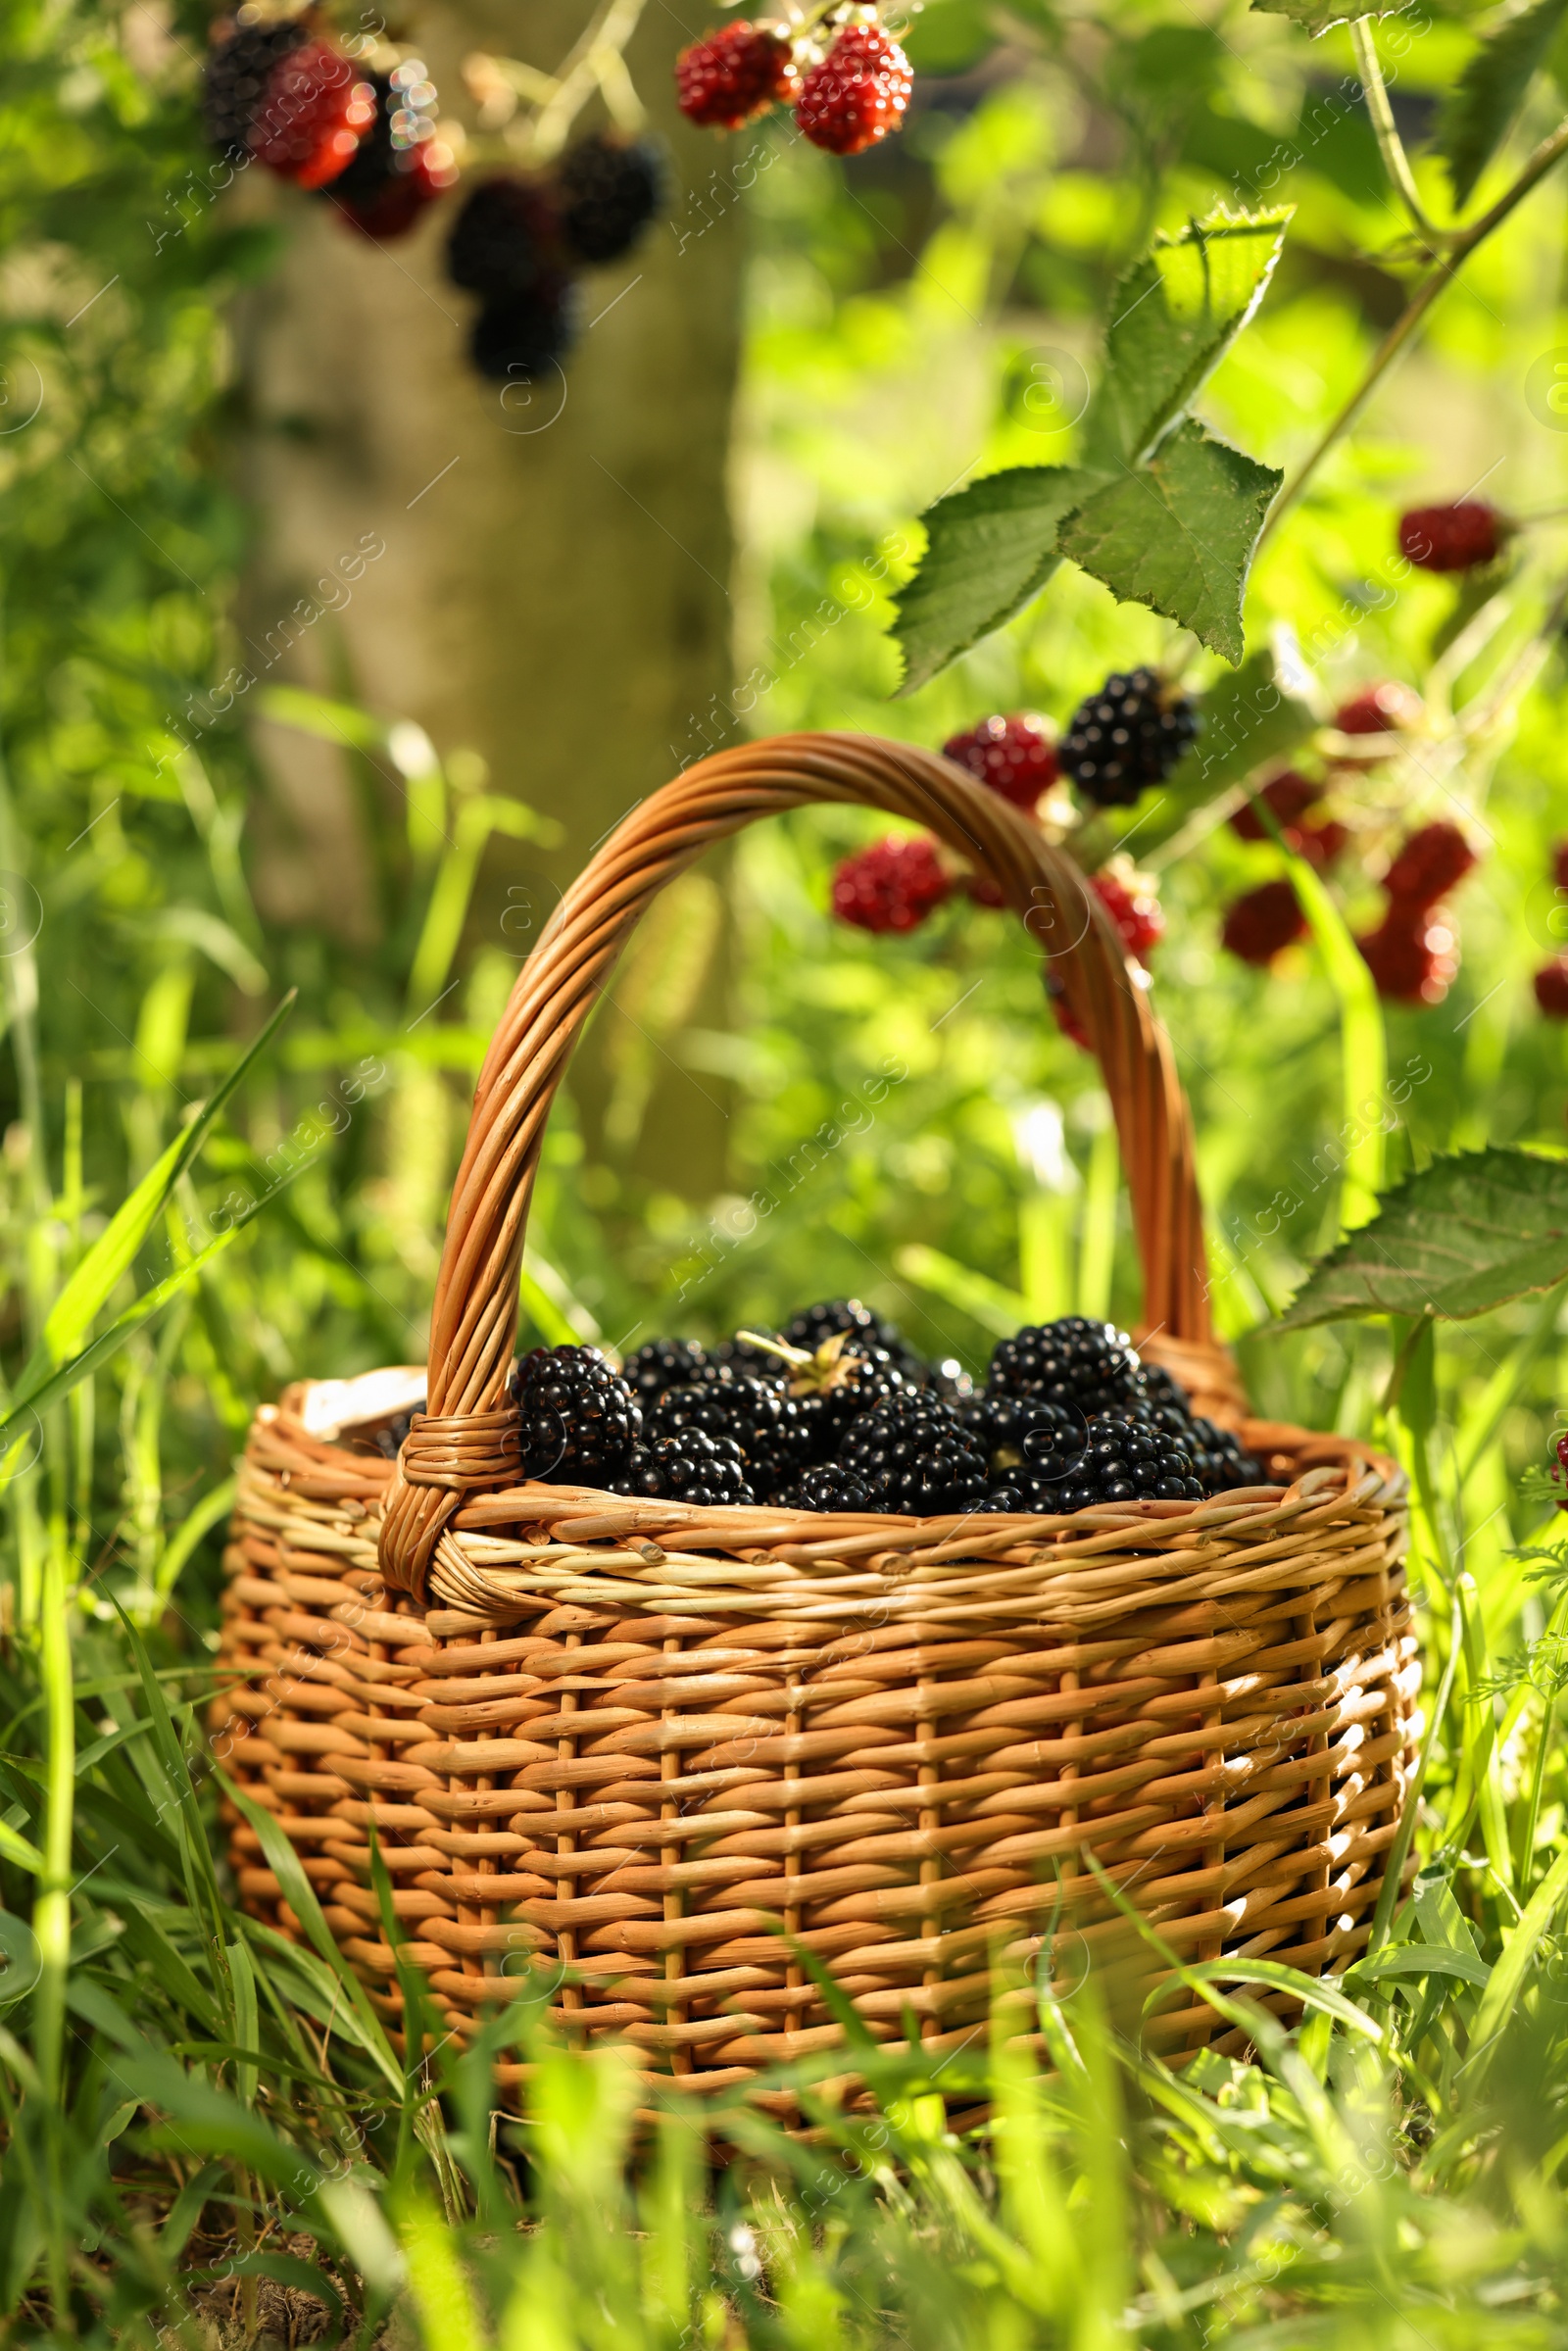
(838,1414)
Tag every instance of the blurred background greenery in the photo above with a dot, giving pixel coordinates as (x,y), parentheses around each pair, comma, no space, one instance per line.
(191,439)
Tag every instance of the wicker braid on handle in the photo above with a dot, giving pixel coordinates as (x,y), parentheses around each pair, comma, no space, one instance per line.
(469,1440)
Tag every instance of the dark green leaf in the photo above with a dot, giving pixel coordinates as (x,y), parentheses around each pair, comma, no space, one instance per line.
(1480,106)
(989,549)
(1174,317)
(1178,534)
(1463,1236)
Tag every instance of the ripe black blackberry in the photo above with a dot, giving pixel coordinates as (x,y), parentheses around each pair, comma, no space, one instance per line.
(607,190)
(663,1364)
(234,82)
(832,1389)
(748,1357)
(765,1423)
(1219,1460)
(1128,735)
(505,240)
(828,1487)
(689,1467)
(1125,1459)
(813,1324)
(518,338)
(579,1418)
(1017,1432)
(915,1456)
(1082,1366)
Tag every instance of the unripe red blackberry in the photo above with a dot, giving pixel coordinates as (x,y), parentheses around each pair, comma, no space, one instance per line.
(316,109)
(1262,922)
(1386,709)
(1552,988)
(1412,956)
(735,72)
(891,886)
(1127,736)
(859,92)
(1319,844)
(1015,757)
(1133,908)
(1286,796)
(607,190)
(1430,863)
(1452,538)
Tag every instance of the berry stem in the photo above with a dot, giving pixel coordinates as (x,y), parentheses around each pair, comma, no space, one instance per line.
(1436,282)
(1391,146)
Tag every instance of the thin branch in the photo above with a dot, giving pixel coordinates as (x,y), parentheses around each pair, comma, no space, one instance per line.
(1421,301)
(1391,146)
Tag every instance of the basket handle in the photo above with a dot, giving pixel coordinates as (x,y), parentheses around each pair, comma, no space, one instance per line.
(469,1438)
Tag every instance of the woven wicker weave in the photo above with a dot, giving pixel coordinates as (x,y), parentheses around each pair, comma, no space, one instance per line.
(633,1759)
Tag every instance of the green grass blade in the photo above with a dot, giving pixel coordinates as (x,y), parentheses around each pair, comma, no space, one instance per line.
(111,1256)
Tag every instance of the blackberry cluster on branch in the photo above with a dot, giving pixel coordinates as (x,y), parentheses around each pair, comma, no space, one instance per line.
(234,82)
(761,1421)
(663,1364)
(915,1457)
(579,1418)
(690,1466)
(1082,1366)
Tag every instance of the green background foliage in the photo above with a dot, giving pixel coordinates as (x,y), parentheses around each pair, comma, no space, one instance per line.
(198,2117)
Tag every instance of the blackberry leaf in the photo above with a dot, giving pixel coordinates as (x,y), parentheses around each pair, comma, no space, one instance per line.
(1174,317)
(1178,535)
(989,549)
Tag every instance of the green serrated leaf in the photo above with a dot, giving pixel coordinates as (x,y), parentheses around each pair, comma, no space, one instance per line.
(1178,534)
(989,549)
(1174,317)
(1479,111)
(1463,1236)
(1321,16)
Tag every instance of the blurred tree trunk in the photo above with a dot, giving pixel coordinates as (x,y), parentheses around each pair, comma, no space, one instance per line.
(554,593)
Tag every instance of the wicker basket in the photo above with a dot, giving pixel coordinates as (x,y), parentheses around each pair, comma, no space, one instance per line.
(660,1752)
